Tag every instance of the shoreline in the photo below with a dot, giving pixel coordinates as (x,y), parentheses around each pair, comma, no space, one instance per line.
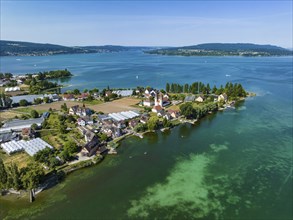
(65,170)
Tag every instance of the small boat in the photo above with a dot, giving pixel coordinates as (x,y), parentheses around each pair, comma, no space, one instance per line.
(145,152)
(136,77)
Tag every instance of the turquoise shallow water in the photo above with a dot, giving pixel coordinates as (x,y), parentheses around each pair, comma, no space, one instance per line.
(236,164)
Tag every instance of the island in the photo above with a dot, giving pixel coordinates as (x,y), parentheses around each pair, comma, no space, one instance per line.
(45,137)
(224,49)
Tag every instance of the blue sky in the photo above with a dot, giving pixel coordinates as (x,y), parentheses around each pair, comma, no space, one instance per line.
(147,23)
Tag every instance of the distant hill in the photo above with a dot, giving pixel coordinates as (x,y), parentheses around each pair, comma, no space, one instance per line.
(18,48)
(224,49)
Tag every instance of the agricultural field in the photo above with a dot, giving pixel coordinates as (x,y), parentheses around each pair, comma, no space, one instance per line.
(123,104)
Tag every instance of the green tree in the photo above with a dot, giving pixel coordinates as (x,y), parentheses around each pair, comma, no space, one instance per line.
(103,137)
(186,88)
(14,177)
(62,128)
(65,155)
(71,147)
(34,114)
(64,107)
(3,175)
(53,162)
(31,175)
(70,119)
(166,123)
(106,99)
(214,90)
(167,87)
(76,92)
(38,101)
(188,111)
(34,126)
(140,127)
(208,88)
(46,99)
(113,96)
(23,102)
(153,123)
(5,101)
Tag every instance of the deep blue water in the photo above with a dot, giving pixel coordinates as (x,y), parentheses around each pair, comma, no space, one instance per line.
(236,164)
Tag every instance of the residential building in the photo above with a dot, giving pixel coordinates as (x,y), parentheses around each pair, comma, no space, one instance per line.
(200,98)
(223,97)
(68,97)
(174,113)
(80,111)
(81,122)
(157,109)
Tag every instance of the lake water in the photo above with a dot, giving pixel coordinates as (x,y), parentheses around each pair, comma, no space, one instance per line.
(236,164)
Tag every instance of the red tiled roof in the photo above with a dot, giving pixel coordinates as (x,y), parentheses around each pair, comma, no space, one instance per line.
(158,107)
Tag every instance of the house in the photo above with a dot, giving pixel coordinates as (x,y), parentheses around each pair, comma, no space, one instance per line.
(174,113)
(108,93)
(81,122)
(80,111)
(157,109)
(189,98)
(68,97)
(223,97)
(166,100)
(167,116)
(149,101)
(83,96)
(92,144)
(132,123)
(164,115)
(116,132)
(200,98)
(144,118)
(88,120)
(92,141)
(27,133)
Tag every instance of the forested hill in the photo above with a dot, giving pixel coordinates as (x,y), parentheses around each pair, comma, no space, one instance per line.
(18,48)
(224,49)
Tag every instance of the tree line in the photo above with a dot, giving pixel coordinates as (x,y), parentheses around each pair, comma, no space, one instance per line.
(196,112)
(232,90)
(53,74)
(37,86)
(28,177)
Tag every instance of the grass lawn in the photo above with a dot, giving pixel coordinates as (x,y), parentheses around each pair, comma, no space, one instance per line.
(21,159)
(27,110)
(173,107)
(6,115)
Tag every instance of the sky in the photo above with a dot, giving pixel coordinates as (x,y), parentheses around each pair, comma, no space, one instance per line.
(147,23)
